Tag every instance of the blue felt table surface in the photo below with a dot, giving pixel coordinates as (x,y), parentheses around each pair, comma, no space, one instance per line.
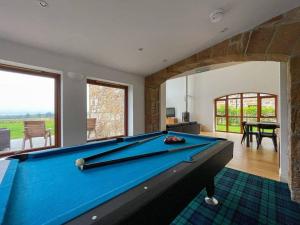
(8,170)
(51,190)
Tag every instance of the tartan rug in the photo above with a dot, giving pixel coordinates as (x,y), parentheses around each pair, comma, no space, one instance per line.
(244,199)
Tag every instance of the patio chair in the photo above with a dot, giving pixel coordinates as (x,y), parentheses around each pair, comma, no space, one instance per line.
(4,139)
(34,129)
(91,126)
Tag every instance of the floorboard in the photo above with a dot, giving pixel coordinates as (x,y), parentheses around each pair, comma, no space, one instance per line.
(263,162)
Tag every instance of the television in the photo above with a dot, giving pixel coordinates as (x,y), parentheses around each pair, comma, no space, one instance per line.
(170,112)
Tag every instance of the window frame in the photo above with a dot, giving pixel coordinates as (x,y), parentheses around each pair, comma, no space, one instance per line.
(242,118)
(113,85)
(57,104)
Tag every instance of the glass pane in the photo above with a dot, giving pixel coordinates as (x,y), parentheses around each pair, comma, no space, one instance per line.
(251,120)
(268,107)
(105,111)
(249,95)
(250,107)
(26,112)
(268,119)
(234,107)
(234,96)
(263,95)
(234,125)
(220,105)
(220,123)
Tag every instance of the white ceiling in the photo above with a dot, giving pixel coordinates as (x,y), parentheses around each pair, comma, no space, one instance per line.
(110,32)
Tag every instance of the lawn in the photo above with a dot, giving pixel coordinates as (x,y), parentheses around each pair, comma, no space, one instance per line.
(235,129)
(16,126)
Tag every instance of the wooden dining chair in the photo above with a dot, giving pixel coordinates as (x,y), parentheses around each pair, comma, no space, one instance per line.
(34,129)
(244,131)
(244,128)
(267,131)
(91,126)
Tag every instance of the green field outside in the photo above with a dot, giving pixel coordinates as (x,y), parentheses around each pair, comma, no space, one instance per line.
(235,129)
(16,126)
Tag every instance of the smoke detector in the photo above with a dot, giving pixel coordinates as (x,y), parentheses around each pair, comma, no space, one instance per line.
(43,3)
(217,15)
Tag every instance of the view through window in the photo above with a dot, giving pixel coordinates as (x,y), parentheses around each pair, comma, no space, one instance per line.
(232,110)
(106,110)
(28,110)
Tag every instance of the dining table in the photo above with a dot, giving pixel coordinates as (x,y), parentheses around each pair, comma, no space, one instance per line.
(249,128)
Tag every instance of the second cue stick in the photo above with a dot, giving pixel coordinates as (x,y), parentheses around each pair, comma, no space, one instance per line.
(83,160)
(147,155)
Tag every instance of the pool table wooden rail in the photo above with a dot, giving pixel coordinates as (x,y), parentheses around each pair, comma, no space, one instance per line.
(160,199)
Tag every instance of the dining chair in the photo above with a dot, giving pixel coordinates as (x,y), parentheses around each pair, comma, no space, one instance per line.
(267,131)
(244,128)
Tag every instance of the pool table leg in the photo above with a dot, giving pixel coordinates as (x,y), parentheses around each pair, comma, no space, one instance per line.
(210,190)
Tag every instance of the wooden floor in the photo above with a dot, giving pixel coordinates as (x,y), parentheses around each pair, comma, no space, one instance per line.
(263,162)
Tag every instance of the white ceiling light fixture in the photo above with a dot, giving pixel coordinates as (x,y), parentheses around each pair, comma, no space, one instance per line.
(43,3)
(217,15)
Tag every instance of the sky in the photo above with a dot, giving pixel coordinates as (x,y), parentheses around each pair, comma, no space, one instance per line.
(21,93)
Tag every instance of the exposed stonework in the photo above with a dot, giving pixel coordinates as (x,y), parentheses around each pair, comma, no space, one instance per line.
(294,129)
(275,40)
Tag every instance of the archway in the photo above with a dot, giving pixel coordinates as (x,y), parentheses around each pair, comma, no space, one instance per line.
(275,40)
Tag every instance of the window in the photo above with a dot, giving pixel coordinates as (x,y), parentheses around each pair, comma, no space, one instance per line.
(220,109)
(107,106)
(231,110)
(29,110)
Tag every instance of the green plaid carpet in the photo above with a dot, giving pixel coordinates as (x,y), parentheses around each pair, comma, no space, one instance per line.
(244,199)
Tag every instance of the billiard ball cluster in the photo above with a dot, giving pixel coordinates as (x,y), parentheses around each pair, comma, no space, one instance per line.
(173,140)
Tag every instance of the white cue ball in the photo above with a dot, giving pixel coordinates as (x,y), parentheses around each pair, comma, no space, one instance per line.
(79,162)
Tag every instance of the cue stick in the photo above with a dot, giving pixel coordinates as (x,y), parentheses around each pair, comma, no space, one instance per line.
(130,158)
(80,162)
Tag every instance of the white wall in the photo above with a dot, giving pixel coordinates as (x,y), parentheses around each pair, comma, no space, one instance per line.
(175,96)
(209,85)
(245,77)
(284,158)
(74,90)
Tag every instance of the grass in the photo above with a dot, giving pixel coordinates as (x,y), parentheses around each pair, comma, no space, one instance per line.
(16,126)
(235,129)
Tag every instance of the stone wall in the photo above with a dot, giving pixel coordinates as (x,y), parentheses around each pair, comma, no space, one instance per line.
(294,128)
(275,40)
(106,104)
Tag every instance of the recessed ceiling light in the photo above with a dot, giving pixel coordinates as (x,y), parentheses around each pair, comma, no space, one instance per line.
(43,3)
(140,49)
(217,15)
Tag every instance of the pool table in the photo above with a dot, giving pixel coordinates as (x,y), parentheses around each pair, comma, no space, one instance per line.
(46,187)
